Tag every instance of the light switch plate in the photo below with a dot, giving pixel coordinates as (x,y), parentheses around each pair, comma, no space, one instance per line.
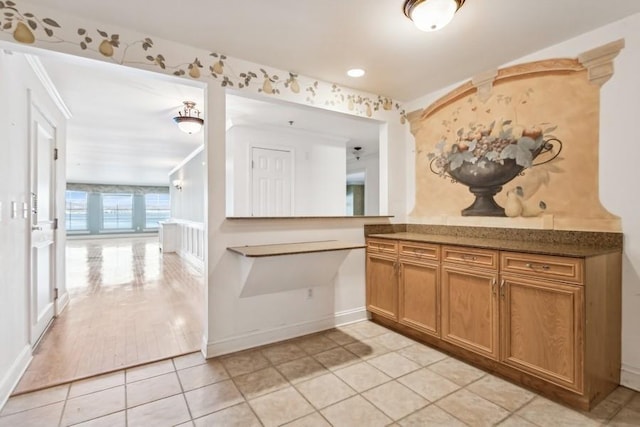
(25,210)
(14,210)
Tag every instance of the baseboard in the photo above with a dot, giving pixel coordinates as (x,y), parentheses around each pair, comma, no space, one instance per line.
(62,303)
(14,374)
(630,377)
(267,336)
(192,259)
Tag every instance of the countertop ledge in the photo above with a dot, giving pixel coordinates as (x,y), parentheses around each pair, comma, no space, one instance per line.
(501,244)
(256,251)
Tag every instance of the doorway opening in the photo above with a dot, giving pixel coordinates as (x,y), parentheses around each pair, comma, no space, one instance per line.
(129,302)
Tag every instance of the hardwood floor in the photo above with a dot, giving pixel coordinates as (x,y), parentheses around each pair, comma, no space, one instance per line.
(129,305)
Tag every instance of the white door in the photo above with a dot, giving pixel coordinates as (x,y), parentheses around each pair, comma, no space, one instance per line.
(271,182)
(42,185)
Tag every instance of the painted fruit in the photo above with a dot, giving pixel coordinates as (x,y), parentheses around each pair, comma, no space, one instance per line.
(106,49)
(403,120)
(351,106)
(194,72)
(369,112)
(218,67)
(295,87)
(387,105)
(23,34)
(533,133)
(266,86)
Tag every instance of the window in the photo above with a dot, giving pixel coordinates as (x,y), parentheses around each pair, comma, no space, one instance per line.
(117,211)
(76,210)
(157,208)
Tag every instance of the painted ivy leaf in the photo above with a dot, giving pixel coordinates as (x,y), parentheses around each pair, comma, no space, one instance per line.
(88,39)
(440,145)
(10,3)
(551,129)
(492,155)
(1,5)
(48,31)
(32,24)
(6,26)
(507,122)
(472,145)
(83,45)
(28,15)
(150,58)
(115,37)
(527,143)
(457,159)
(51,22)
(215,55)
(431,156)
(102,33)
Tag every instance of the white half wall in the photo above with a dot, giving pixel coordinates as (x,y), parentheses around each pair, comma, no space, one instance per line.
(187,203)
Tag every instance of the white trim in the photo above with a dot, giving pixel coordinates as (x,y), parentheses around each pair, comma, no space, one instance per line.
(280,333)
(48,85)
(14,373)
(630,377)
(87,236)
(191,259)
(187,159)
(62,303)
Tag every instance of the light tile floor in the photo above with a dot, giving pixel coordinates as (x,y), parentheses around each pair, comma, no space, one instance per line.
(358,375)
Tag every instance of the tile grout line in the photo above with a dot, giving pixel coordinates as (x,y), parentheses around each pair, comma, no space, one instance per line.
(182,392)
(64,405)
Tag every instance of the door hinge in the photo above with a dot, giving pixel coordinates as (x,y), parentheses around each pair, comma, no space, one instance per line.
(55,154)
(253,165)
(55,293)
(55,223)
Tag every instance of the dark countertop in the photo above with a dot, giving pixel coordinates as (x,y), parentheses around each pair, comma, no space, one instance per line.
(502,244)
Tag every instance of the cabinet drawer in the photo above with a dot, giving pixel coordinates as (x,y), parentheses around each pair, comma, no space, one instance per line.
(469,256)
(382,246)
(551,267)
(424,251)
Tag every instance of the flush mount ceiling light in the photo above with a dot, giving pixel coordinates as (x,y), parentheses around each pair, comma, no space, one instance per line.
(431,15)
(355,72)
(188,119)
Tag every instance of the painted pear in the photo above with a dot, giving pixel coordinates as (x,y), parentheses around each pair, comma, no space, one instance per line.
(295,86)
(23,34)
(497,129)
(513,207)
(266,86)
(350,105)
(533,209)
(218,67)
(194,72)
(369,111)
(106,48)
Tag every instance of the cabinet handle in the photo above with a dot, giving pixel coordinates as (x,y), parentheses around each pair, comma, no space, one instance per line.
(533,266)
(494,283)
(468,257)
(502,288)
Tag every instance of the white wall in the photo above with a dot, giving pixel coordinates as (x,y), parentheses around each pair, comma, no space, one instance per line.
(318,166)
(15,348)
(188,204)
(619,113)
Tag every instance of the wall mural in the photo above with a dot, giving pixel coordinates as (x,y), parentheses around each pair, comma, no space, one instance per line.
(34,25)
(523,145)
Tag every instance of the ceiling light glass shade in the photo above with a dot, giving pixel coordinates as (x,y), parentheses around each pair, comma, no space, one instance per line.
(189,124)
(431,15)
(188,119)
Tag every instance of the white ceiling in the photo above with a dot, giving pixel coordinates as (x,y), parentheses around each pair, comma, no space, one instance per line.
(122,132)
(324,38)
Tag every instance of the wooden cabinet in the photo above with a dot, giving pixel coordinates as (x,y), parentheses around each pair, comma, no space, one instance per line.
(549,322)
(542,331)
(382,279)
(419,290)
(469,300)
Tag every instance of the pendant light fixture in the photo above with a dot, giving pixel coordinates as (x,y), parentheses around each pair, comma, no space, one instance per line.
(188,119)
(431,15)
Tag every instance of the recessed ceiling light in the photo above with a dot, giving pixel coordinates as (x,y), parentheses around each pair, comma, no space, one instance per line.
(355,72)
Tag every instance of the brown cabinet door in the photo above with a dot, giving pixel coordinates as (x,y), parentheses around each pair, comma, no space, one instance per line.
(470,309)
(382,285)
(420,296)
(542,329)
